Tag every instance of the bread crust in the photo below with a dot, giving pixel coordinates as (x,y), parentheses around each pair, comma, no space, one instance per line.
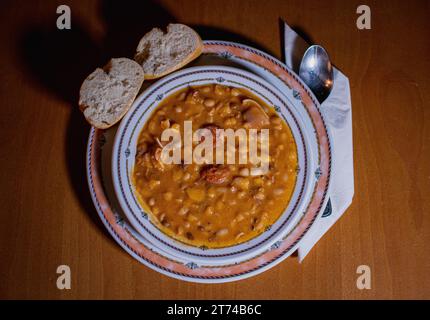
(193,55)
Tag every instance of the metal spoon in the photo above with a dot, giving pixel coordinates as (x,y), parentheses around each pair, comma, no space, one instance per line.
(317,72)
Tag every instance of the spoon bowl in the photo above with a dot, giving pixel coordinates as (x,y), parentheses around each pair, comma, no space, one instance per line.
(317,72)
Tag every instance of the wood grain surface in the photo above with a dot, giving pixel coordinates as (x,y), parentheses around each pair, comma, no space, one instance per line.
(46,215)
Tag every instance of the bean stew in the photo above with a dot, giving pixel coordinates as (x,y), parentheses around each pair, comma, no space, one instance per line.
(214,205)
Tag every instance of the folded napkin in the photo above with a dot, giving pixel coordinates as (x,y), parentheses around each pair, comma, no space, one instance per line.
(337,113)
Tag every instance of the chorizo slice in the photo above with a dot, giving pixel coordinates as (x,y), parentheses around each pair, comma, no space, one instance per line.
(216,175)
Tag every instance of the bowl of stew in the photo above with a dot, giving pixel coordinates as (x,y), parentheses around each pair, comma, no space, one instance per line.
(205,206)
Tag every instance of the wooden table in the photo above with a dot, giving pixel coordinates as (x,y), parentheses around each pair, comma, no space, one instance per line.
(47,218)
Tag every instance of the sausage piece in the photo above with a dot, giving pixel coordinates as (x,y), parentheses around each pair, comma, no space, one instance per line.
(216,175)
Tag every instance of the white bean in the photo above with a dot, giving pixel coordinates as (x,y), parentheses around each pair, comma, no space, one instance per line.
(222,232)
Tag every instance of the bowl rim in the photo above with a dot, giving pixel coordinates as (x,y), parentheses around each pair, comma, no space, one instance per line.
(243,250)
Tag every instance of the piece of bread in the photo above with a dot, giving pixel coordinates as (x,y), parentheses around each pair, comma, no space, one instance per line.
(161,53)
(107,94)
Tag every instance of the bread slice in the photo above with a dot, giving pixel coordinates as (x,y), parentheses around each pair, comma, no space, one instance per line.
(161,53)
(108,93)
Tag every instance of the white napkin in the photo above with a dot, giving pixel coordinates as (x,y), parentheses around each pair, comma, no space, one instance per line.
(337,112)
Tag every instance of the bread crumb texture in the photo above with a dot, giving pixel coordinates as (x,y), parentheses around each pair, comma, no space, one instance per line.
(107,94)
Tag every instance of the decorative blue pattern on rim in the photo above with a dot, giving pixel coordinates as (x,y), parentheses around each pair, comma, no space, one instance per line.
(191,265)
(296,95)
(318,173)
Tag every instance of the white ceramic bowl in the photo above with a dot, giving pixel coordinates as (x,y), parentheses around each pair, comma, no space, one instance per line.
(124,151)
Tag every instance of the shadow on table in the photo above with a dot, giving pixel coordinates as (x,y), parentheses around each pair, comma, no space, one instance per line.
(216,33)
(59,60)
